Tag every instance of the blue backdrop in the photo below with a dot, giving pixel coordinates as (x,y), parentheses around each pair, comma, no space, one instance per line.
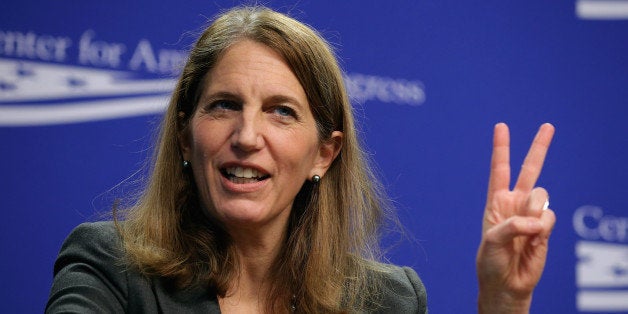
(83,85)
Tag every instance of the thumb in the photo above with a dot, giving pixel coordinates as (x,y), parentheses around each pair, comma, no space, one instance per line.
(512,227)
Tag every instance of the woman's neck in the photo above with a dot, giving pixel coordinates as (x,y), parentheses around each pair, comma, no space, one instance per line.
(257,249)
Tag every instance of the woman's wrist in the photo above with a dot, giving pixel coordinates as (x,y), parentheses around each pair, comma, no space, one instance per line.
(502,302)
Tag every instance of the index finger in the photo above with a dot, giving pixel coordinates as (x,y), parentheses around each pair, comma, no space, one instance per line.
(500,160)
(533,163)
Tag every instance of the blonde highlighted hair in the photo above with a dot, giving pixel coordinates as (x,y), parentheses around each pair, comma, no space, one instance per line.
(327,263)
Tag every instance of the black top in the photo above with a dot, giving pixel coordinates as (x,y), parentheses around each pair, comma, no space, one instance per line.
(90,277)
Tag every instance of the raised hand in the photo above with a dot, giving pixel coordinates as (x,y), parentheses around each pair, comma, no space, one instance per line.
(515,228)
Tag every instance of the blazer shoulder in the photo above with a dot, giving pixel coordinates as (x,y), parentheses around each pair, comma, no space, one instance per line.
(89,273)
(96,241)
(403,291)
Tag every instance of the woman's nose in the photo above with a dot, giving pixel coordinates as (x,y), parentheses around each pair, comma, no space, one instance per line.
(247,134)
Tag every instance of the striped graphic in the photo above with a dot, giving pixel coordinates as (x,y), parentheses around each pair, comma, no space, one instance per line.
(602,276)
(36,93)
(602,9)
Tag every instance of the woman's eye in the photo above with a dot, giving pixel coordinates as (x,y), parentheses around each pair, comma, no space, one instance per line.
(224,105)
(284,111)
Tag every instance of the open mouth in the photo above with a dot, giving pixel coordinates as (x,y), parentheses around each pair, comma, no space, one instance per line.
(242,175)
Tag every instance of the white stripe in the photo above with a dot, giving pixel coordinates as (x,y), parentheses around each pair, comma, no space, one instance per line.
(602,10)
(602,301)
(40,92)
(81,112)
(50,82)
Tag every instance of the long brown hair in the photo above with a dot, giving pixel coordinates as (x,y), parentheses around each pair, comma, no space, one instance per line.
(327,263)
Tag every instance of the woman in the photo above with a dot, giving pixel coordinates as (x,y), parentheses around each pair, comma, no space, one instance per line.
(261,200)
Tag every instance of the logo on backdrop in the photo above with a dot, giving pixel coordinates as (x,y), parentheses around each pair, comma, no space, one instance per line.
(602,9)
(40,85)
(602,267)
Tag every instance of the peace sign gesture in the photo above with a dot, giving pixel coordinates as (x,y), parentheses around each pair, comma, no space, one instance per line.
(515,228)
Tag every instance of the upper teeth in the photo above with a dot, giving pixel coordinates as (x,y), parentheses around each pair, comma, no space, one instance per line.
(243,172)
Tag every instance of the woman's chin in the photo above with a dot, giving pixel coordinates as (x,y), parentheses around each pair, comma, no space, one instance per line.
(247,217)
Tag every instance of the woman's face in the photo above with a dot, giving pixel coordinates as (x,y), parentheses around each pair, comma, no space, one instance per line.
(252,140)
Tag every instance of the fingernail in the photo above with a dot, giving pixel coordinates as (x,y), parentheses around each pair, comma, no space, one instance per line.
(546,205)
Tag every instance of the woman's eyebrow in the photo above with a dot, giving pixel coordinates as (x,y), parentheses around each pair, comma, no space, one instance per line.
(283,99)
(220,94)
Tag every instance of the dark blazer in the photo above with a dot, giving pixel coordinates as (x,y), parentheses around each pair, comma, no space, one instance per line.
(90,277)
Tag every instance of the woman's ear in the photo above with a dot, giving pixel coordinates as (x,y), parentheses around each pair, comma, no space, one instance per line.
(328,151)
